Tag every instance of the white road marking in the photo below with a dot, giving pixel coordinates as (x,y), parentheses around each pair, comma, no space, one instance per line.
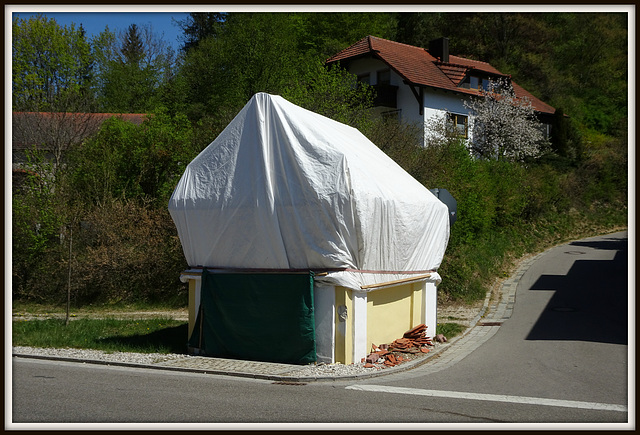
(490,397)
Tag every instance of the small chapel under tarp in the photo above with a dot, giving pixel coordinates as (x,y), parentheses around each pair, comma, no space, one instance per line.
(305,241)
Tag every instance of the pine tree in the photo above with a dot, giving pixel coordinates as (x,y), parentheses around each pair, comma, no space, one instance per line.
(133,49)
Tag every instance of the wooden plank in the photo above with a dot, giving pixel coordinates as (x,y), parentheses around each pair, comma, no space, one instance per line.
(397,281)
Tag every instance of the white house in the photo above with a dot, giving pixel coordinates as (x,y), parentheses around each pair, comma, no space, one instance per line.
(417,84)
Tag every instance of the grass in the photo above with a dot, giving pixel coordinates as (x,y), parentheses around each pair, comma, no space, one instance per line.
(450,330)
(98,309)
(157,335)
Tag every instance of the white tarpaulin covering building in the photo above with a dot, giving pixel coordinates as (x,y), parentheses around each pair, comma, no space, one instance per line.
(283,188)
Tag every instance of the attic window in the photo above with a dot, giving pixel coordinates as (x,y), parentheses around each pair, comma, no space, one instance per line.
(460,123)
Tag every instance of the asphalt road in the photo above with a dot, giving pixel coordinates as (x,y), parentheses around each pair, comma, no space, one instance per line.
(567,338)
(562,357)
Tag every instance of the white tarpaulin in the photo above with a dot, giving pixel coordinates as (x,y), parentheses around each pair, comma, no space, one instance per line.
(285,188)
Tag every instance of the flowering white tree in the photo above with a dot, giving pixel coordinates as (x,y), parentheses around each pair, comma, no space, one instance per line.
(505,126)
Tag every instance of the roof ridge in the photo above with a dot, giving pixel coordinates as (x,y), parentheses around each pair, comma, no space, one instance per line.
(359,41)
(453,64)
(80,113)
(396,42)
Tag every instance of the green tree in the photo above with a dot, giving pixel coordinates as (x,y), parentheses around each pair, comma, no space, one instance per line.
(133,67)
(324,34)
(53,71)
(133,161)
(51,66)
(132,49)
(591,57)
(254,52)
(262,52)
(418,28)
(199,26)
(332,92)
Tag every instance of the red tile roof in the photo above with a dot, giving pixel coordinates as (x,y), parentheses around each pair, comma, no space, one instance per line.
(38,128)
(136,118)
(416,66)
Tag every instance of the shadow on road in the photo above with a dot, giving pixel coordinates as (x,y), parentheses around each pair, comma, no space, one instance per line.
(590,302)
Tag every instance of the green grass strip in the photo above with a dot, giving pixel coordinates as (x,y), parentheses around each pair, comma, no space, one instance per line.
(158,335)
(450,330)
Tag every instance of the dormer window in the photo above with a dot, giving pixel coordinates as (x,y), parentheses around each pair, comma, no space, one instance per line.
(475,82)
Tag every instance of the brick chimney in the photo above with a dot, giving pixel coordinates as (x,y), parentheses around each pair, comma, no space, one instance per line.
(440,48)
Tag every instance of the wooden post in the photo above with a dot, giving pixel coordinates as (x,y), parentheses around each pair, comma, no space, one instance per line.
(69,274)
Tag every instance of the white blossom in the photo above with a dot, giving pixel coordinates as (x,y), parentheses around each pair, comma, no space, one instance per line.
(505,126)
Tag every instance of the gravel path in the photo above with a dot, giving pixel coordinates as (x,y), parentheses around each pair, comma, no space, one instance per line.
(211,364)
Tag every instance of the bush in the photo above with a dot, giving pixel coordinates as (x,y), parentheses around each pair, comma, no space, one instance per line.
(127,252)
(38,224)
(134,161)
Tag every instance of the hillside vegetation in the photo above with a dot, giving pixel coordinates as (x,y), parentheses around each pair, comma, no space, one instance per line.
(98,225)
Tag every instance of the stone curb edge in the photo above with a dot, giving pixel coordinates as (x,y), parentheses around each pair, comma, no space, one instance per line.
(282,378)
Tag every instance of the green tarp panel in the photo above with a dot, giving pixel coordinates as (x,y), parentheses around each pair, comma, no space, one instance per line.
(261,317)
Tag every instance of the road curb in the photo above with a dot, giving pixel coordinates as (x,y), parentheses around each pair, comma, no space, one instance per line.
(272,377)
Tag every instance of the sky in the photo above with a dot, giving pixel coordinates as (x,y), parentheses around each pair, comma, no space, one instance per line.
(161,17)
(162,23)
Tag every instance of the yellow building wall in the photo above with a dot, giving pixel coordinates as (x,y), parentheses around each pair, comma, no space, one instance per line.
(344,328)
(392,311)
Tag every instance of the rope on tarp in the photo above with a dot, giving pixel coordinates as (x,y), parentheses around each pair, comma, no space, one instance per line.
(316,272)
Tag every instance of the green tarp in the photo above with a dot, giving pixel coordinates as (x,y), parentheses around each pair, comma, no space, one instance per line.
(261,317)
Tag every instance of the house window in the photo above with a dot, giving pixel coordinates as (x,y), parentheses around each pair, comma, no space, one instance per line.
(475,82)
(460,123)
(384,77)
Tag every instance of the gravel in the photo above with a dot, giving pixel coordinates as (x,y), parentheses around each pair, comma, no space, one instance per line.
(98,355)
(320,370)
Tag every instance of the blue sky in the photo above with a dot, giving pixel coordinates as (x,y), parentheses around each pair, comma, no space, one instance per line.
(95,22)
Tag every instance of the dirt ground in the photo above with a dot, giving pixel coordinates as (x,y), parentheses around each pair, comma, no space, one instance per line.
(180,314)
(457,313)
